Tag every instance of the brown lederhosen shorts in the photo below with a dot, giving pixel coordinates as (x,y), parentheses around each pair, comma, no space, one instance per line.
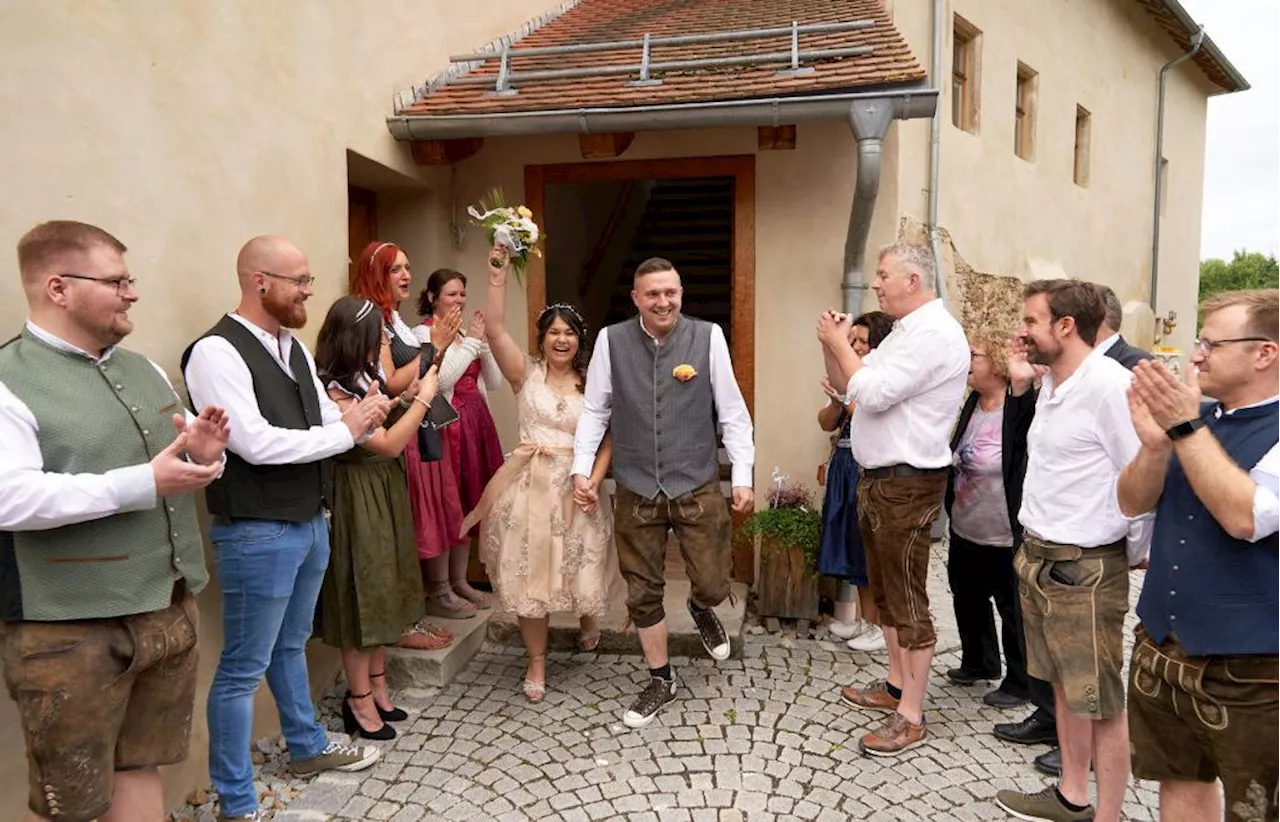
(895,517)
(700,520)
(1074,601)
(99,696)
(1198,719)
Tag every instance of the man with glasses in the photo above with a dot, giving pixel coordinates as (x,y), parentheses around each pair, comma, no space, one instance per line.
(1202,687)
(103,557)
(270,531)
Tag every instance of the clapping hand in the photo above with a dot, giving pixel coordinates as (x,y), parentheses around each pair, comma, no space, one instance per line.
(362,417)
(1167,400)
(475,329)
(833,328)
(830,391)
(1022,373)
(206,435)
(445,330)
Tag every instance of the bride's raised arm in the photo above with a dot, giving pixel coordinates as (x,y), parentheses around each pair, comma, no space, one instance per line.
(510,357)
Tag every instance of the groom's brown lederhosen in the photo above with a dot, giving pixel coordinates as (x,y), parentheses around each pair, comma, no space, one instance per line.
(666,464)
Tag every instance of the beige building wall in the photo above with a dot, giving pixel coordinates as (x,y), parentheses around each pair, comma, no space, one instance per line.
(1014,217)
(186,128)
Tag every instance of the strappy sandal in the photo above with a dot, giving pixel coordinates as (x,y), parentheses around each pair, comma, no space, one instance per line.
(534,692)
(392,714)
(442,602)
(480,599)
(419,638)
(588,642)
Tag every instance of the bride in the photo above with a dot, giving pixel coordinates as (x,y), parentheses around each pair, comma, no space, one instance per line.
(543,553)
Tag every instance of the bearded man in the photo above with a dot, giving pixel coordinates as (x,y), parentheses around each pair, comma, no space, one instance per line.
(269,531)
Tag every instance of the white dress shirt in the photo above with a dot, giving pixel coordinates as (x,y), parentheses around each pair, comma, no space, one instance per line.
(1106,345)
(216,374)
(909,391)
(1081,439)
(731,409)
(1266,478)
(32,499)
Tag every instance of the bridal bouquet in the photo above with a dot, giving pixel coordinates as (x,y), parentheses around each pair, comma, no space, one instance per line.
(513,227)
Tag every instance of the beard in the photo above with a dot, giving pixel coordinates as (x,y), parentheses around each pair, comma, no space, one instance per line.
(290,313)
(1037,356)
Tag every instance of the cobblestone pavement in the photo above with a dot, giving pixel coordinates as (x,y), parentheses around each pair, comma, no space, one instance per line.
(762,738)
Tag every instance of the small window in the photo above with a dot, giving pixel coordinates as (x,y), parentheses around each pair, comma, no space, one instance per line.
(964,75)
(1024,128)
(1080,172)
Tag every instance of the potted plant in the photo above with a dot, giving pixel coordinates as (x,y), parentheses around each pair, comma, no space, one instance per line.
(789,532)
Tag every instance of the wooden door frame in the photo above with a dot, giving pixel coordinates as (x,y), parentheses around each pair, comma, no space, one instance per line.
(742,293)
(742,287)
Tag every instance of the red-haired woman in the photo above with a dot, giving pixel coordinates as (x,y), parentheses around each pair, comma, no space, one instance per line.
(472,443)
(384,277)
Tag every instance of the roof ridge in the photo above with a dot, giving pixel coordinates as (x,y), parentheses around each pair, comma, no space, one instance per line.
(406,98)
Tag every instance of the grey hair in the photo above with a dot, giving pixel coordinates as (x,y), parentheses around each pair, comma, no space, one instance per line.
(1115,312)
(913,259)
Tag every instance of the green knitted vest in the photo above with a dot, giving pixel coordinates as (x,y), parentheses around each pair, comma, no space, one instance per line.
(93,417)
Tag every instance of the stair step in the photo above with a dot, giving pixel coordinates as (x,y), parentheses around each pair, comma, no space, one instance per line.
(409,668)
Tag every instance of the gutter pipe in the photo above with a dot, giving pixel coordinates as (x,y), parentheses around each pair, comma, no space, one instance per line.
(905,102)
(1196,41)
(935,149)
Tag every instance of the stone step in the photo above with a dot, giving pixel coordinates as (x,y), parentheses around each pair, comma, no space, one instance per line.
(683,640)
(407,668)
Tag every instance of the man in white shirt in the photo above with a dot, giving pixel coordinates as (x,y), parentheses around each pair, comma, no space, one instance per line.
(270,531)
(907,394)
(661,382)
(101,554)
(1072,566)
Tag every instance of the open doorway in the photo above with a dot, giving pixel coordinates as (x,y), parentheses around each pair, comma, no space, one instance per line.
(603,219)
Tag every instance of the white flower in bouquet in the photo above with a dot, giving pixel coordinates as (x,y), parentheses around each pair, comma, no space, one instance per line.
(511,226)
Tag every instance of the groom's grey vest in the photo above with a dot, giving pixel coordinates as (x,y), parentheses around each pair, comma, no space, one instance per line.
(664,430)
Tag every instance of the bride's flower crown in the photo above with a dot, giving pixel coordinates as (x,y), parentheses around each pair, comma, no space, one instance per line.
(563,307)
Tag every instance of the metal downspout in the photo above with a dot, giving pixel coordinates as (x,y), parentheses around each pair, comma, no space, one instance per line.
(1196,42)
(870,123)
(935,149)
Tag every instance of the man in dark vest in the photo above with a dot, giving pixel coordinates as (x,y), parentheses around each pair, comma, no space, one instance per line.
(98,463)
(1202,682)
(269,532)
(663,382)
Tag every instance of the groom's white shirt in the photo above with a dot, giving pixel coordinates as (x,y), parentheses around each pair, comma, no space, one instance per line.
(731,409)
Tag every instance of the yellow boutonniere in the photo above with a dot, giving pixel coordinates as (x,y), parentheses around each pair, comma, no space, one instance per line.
(684,372)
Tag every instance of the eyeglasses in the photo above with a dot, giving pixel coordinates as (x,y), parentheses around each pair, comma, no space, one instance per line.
(304,281)
(1206,346)
(122,285)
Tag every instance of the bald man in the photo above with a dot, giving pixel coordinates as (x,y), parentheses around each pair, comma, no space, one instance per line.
(269,532)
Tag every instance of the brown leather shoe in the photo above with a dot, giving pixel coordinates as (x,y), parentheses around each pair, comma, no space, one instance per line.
(896,735)
(875,698)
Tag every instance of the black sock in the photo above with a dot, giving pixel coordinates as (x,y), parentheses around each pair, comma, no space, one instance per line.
(693,606)
(663,673)
(1068,805)
(896,693)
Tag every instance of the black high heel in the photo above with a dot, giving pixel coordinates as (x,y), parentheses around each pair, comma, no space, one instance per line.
(352,725)
(393,715)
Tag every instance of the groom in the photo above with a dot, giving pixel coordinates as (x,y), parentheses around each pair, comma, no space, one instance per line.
(672,384)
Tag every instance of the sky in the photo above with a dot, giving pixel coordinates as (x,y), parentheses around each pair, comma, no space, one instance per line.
(1242,155)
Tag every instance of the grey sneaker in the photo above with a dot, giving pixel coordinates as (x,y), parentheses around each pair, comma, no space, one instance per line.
(1044,806)
(337,757)
(651,699)
(710,631)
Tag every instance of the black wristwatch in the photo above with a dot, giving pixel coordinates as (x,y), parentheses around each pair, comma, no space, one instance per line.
(1184,429)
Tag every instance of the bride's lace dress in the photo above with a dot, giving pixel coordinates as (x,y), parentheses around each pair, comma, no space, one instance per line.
(542,553)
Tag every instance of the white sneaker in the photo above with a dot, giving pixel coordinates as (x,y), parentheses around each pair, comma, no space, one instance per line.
(847,630)
(870,640)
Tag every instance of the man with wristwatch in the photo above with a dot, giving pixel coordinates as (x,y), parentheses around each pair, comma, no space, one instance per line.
(1202,688)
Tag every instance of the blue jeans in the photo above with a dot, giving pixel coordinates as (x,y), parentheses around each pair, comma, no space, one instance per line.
(270,573)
